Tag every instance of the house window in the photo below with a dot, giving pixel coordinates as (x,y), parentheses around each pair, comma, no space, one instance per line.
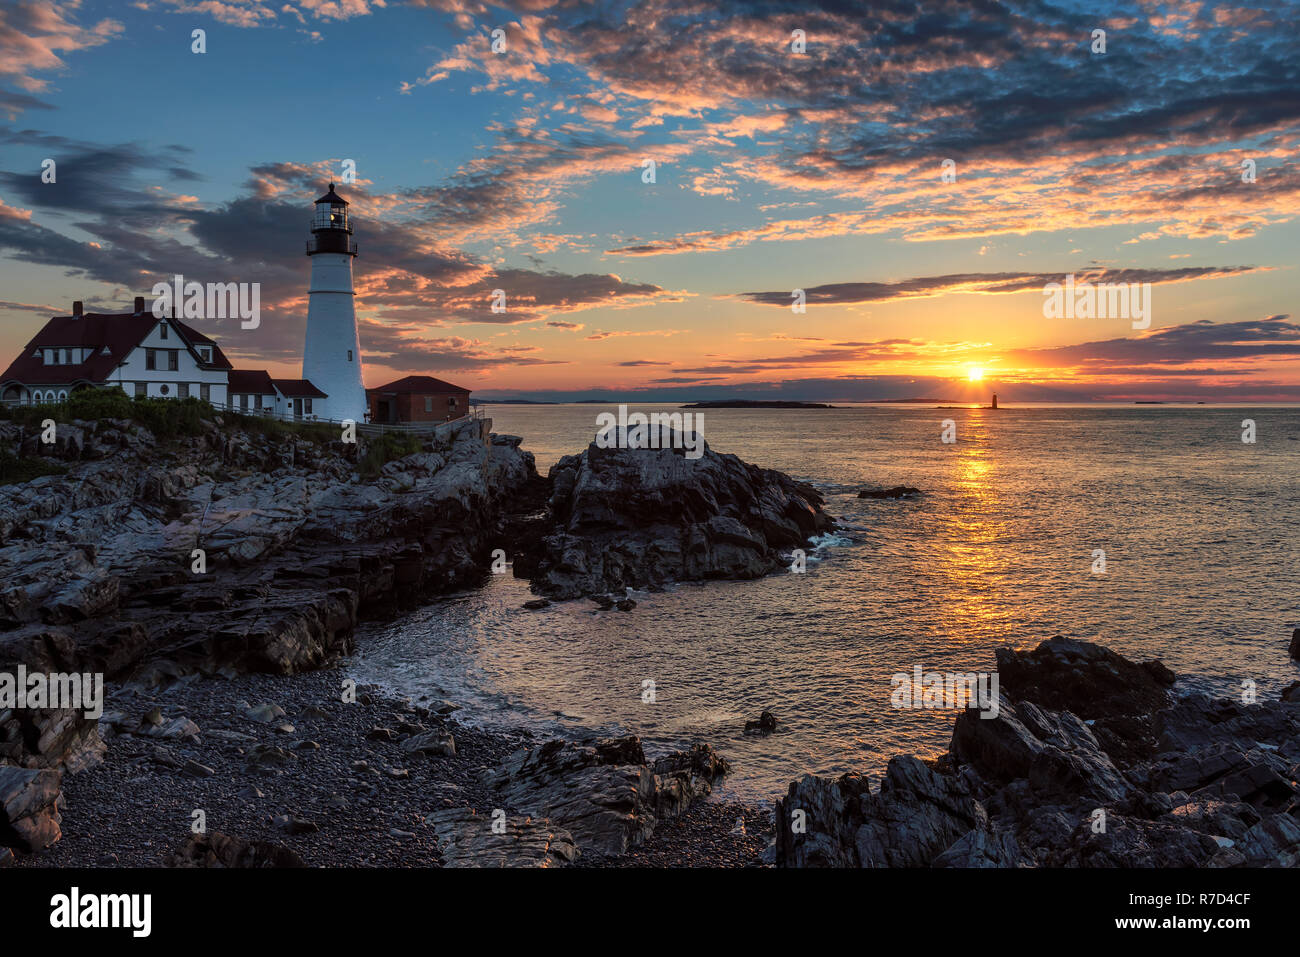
(451,402)
(428,403)
(150,359)
(306,404)
(142,388)
(205,355)
(164,388)
(173,360)
(183,390)
(205,392)
(162,330)
(67,357)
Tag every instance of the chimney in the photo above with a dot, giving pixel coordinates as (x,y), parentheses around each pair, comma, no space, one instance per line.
(139,305)
(76,309)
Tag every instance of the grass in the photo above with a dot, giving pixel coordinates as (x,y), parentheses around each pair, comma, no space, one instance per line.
(15,470)
(165,418)
(388,447)
(171,418)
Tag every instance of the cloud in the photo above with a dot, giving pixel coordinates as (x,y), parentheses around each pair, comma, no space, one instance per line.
(1273,337)
(34,38)
(843,293)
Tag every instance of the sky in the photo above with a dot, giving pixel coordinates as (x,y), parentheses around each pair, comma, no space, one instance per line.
(921,172)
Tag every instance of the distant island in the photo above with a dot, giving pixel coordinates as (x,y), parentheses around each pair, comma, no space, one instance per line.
(755,404)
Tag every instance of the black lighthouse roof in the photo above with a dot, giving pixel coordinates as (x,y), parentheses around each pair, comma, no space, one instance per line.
(333,198)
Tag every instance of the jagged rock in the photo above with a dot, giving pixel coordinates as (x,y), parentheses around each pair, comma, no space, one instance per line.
(914,817)
(1037,786)
(818,821)
(29,807)
(431,742)
(219,850)
(634,518)
(765,724)
(1117,695)
(297,546)
(603,792)
(468,839)
(1294,649)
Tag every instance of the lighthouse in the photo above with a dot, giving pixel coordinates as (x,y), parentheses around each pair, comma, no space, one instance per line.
(331,355)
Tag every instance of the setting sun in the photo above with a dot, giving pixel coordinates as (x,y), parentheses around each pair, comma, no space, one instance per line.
(975,374)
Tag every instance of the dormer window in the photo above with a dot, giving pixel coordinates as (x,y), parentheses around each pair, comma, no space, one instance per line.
(205,355)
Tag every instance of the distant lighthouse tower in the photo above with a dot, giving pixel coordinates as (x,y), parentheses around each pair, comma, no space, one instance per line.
(331,355)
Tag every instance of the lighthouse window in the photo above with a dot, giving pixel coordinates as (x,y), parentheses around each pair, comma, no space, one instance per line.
(349,355)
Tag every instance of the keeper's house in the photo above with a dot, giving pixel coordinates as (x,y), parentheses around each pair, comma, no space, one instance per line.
(417,398)
(146,356)
(134,351)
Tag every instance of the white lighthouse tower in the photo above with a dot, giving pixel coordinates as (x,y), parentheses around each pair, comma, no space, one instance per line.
(331,355)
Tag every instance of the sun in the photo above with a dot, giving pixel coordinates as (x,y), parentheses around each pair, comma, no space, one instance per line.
(975,374)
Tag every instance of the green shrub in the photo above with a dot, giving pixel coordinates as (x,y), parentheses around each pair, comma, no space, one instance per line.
(15,470)
(274,428)
(387,447)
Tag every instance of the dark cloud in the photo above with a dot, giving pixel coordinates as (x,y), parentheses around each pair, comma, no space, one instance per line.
(989,283)
(1273,337)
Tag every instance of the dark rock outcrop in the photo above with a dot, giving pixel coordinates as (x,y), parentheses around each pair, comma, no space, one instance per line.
(604,793)
(29,808)
(1088,763)
(466,838)
(765,724)
(637,518)
(894,491)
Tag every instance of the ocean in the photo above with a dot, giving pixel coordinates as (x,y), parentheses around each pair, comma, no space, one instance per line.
(1198,530)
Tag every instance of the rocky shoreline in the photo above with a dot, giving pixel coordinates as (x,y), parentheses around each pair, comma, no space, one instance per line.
(231,738)
(191,567)
(325,784)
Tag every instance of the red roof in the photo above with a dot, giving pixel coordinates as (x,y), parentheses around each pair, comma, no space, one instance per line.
(250,382)
(118,333)
(419,384)
(298,389)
